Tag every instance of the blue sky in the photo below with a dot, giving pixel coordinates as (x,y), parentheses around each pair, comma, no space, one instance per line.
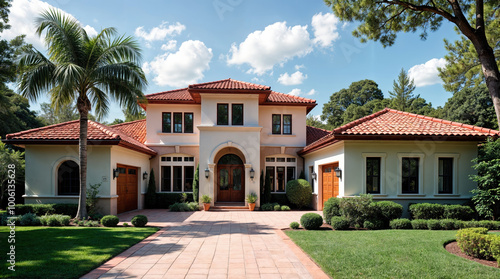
(296,47)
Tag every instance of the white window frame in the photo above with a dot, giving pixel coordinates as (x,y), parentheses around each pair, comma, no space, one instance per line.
(421,157)
(176,164)
(382,157)
(455,157)
(276,164)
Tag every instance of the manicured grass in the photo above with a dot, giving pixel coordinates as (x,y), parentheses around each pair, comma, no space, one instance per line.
(65,252)
(388,254)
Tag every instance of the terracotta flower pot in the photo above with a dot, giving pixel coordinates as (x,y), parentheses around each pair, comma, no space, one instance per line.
(206,206)
(251,206)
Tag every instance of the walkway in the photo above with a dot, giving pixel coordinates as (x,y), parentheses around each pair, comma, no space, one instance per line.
(213,244)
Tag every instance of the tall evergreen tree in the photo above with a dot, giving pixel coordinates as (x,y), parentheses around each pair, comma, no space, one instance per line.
(402,92)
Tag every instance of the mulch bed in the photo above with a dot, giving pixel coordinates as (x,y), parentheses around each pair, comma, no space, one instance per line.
(453,248)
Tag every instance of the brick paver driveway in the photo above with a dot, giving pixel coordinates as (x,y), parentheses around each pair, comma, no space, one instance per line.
(213,244)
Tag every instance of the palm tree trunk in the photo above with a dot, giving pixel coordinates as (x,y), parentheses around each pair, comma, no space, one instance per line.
(83,108)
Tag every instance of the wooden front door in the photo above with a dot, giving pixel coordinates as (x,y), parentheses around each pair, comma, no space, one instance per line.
(230,183)
(330,182)
(127,188)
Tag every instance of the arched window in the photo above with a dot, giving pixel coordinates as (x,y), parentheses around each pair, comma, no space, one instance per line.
(68,182)
(230,159)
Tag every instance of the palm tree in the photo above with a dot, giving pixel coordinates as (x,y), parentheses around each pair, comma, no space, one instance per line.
(87,68)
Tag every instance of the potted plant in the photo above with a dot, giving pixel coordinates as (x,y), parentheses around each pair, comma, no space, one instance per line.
(206,200)
(251,199)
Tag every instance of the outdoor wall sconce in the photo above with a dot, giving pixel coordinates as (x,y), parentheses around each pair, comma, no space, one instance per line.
(116,172)
(252,173)
(338,172)
(145,175)
(207,173)
(314,176)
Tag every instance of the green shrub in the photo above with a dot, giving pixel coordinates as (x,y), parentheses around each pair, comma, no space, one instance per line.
(165,200)
(6,217)
(476,242)
(427,211)
(96,216)
(419,224)
(277,207)
(179,207)
(433,224)
(401,224)
(389,210)
(285,208)
(294,225)
(196,184)
(55,220)
(37,209)
(311,221)
(495,249)
(373,225)
(299,192)
(151,198)
(65,209)
(279,198)
(125,224)
(449,224)
(63,219)
(458,212)
(331,208)
(359,209)
(268,206)
(339,223)
(139,221)
(110,221)
(194,206)
(490,225)
(30,219)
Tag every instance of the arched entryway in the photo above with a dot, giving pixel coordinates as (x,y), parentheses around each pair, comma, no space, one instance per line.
(230,179)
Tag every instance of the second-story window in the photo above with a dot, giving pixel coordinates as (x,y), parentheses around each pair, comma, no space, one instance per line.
(237,114)
(222,114)
(175,122)
(282,124)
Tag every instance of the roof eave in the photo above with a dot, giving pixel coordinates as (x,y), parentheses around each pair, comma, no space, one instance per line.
(414,137)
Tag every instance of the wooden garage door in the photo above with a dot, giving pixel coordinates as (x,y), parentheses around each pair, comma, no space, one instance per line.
(127,188)
(330,182)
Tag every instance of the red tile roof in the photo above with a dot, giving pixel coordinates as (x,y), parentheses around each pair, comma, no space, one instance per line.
(135,129)
(230,84)
(68,133)
(313,134)
(393,124)
(183,95)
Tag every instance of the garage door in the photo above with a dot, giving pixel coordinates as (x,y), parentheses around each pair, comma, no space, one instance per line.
(330,182)
(127,188)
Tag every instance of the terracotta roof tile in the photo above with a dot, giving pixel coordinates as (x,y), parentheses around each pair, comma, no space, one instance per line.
(135,129)
(390,122)
(70,132)
(229,84)
(313,134)
(172,95)
(277,97)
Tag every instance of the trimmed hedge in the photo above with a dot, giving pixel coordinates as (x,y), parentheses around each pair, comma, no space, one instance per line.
(419,224)
(458,212)
(401,224)
(299,192)
(110,221)
(182,206)
(373,225)
(268,206)
(139,221)
(427,211)
(476,242)
(294,225)
(29,219)
(47,209)
(339,223)
(311,221)
(285,208)
(359,209)
(55,220)
(449,224)
(433,224)
(165,200)
(330,209)
(390,210)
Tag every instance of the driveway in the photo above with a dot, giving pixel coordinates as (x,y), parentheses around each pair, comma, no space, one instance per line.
(213,244)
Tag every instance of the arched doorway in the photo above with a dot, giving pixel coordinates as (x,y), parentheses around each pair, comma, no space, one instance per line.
(230,179)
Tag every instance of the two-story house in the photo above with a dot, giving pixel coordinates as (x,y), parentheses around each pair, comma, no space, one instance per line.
(237,130)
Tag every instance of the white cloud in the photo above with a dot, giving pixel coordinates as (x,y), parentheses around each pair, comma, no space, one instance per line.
(293,79)
(325,29)
(160,32)
(427,73)
(186,66)
(22,16)
(311,92)
(169,46)
(90,30)
(298,67)
(298,92)
(276,44)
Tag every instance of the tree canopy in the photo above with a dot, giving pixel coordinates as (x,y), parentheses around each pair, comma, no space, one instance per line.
(402,92)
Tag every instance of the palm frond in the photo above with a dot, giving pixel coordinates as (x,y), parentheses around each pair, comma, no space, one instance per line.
(100,100)
(36,74)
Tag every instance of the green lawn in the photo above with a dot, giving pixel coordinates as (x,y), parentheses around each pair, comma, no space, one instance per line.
(388,254)
(65,252)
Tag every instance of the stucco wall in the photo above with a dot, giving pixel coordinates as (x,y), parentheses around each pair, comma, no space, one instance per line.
(250,107)
(154,135)
(298,136)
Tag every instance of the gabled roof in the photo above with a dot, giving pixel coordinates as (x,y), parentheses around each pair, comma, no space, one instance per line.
(313,134)
(391,124)
(135,129)
(69,133)
(190,95)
